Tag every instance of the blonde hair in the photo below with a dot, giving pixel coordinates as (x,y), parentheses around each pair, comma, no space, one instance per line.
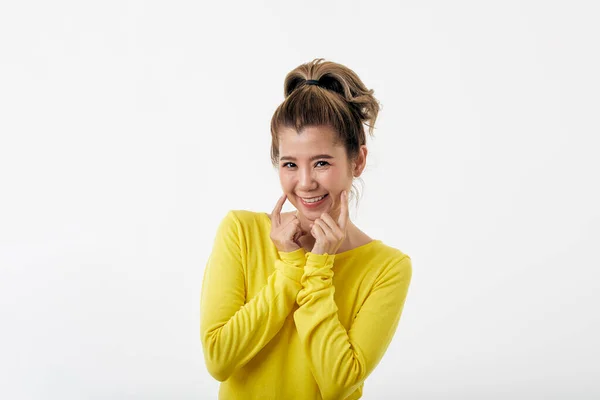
(340,100)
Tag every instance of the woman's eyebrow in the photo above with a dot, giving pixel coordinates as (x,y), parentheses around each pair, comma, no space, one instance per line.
(311,159)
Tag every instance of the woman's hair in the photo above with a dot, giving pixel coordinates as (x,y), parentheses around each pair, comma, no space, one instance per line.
(340,100)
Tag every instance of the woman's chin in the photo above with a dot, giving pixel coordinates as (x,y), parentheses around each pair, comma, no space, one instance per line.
(307,216)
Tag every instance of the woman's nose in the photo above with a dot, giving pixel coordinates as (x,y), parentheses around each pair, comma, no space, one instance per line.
(306,179)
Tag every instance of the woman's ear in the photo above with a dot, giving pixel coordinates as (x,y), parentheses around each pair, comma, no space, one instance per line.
(360,163)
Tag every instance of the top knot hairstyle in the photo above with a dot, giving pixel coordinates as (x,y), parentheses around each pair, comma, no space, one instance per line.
(326,93)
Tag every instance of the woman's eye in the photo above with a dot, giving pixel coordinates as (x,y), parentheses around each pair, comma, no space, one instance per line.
(288,163)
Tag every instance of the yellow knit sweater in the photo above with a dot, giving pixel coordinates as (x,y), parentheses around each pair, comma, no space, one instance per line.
(296,325)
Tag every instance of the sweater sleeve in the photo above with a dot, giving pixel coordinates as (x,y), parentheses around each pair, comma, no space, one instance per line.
(341,360)
(233,330)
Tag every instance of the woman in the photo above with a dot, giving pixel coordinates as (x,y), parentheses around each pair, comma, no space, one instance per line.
(303,305)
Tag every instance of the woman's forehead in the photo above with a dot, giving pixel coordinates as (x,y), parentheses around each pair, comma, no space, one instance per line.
(309,151)
(309,142)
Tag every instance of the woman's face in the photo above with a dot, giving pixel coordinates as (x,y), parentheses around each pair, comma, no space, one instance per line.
(311,166)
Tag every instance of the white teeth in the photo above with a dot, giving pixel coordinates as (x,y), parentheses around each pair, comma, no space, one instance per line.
(313,200)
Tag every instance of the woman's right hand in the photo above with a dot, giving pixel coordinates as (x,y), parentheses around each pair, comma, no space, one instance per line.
(286,235)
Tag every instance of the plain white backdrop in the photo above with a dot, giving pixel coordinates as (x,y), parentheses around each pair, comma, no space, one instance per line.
(128,129)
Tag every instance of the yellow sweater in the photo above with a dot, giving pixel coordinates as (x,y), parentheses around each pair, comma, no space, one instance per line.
(296,325)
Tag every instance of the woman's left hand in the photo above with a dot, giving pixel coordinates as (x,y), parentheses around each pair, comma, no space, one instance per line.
(330,235)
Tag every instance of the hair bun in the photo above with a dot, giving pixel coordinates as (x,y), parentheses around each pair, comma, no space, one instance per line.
(340,99)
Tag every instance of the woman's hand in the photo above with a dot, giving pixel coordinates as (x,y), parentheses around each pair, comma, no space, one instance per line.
(286,236)
(330,235)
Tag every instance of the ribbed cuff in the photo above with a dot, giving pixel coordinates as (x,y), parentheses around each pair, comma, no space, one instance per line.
(291,264)
(318,265)
(317,277)
(319,260)
(295,257)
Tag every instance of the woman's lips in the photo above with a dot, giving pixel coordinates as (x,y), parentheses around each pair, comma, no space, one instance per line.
(314,205)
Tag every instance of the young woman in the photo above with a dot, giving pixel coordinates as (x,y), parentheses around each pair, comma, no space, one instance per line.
(303,305)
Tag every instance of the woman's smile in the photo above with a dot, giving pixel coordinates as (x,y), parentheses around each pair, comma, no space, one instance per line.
(314,204)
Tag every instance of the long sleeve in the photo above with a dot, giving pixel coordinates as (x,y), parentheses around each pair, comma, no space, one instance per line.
(232,330)
(341,360)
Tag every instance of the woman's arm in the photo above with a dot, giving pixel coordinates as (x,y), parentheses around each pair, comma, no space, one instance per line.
(341,360)
(231,330)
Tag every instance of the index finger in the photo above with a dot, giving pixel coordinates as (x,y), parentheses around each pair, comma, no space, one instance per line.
(344,212)
(276,215)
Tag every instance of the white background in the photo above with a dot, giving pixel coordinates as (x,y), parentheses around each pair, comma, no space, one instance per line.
(129,128)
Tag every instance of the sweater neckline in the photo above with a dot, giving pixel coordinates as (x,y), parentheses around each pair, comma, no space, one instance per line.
(346,253)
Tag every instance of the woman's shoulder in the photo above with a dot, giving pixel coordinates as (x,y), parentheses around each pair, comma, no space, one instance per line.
(393,252)
(390,257)
(241,214)
(248,218)
(263,218)
(245,226)
(398,261)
